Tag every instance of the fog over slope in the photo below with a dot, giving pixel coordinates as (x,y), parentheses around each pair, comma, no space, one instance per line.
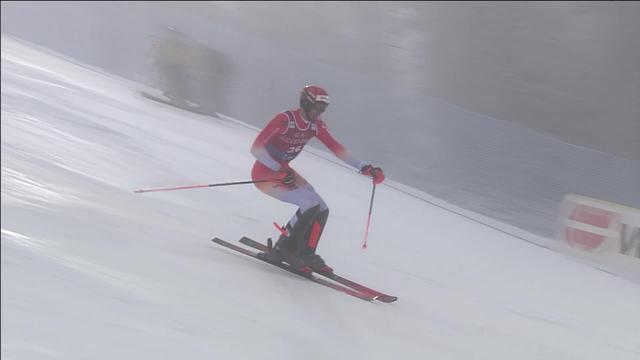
(500,108)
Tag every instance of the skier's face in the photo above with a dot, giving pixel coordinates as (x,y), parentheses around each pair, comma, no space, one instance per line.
(318,109)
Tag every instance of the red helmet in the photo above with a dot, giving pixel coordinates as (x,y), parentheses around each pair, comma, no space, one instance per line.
(311,95)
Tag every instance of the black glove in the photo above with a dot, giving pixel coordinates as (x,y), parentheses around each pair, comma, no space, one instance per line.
(287,177)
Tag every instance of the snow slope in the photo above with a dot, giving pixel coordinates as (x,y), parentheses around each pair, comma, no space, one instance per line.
(91,270)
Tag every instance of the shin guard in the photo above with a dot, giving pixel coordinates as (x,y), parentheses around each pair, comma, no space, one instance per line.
(298,231)
(314,232)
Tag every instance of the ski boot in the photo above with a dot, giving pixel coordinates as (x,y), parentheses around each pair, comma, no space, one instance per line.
(287,248)
(285,251)
(312,237)
(317,264)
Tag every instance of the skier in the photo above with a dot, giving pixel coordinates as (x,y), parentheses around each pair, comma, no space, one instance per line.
(277,144)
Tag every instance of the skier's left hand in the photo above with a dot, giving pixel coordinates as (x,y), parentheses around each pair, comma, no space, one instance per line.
(376,173)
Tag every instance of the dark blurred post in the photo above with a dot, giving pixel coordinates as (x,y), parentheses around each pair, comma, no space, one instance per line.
(190,75)
(172,59)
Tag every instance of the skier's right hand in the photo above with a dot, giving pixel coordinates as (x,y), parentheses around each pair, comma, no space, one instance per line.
(287,177)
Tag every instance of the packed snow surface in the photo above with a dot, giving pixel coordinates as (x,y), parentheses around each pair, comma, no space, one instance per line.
(92,270)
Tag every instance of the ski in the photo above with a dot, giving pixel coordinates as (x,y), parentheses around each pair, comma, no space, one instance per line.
(333,276)
(347,290)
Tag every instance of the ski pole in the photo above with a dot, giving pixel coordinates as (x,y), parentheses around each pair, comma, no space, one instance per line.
(203,186)
(366,233)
